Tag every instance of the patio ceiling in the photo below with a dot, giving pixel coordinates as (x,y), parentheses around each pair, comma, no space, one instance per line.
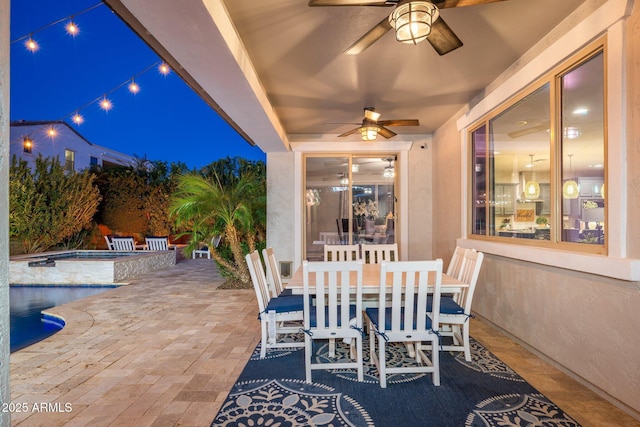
(275,69)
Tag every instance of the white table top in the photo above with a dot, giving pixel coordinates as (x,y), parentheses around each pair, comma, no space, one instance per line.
(371,281)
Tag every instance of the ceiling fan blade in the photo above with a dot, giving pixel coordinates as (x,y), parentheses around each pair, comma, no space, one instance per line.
(442,38)
(369,38)
(444,4)
(352,131)
(387,133)
(405,122)
(314,3)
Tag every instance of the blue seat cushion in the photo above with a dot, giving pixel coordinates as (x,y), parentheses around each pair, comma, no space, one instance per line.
(313,321)
(285,293)
(373,313)
(447,305)
(286,304)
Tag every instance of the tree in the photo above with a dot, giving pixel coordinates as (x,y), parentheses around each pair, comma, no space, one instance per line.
(235,211)
(48,206)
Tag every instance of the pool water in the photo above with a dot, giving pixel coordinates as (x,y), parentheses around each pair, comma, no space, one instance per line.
(28,324)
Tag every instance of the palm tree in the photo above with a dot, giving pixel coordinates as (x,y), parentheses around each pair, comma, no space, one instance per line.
(236,211)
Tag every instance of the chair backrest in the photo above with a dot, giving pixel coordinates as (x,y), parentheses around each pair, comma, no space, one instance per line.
(341,252)
(333,284)
(123,243)
(411,282)
(259,280)
(455,264)
(273,272)
(375,254)
(472,261)
(157,243)
(109,243)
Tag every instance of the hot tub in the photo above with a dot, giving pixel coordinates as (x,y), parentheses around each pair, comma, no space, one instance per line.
(85,267)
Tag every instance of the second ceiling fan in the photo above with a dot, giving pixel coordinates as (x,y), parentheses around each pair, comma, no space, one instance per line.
(413,20)
(372,127)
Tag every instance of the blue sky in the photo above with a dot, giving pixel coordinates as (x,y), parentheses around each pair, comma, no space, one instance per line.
(165,121)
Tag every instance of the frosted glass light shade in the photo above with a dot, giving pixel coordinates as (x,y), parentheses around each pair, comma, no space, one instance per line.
(570,189)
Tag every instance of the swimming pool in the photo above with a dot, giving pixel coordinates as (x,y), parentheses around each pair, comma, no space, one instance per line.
(28,324)
(85,267)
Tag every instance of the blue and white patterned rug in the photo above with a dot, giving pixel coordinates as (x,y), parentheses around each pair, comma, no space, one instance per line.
(484,392)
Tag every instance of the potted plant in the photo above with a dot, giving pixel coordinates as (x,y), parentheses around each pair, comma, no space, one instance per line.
(542,221)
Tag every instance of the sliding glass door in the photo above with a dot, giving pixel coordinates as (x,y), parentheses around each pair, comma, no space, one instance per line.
(348,200)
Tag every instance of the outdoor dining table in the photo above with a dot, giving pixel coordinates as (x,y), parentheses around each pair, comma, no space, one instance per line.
(371,281)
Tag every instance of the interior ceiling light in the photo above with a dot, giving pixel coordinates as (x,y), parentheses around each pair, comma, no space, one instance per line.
(389,171)
(571,132)
(412,20)
(581,111)
(570,188)
(531,187)
(355,167)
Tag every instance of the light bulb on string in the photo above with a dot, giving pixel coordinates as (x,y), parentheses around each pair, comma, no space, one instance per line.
(134,87)
(164,69)
(31,44)
(72,28)
(52,132)
(106,104)
(77,119)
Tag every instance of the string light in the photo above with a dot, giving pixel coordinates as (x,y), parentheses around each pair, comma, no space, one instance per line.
(106,104)
(32,45)
(52,132)
(133,87)
(164,69)
(72,29)
(77,119)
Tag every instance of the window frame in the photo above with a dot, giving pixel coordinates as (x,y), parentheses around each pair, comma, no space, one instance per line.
(554,78)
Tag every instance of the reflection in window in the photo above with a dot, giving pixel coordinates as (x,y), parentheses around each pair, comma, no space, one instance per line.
(523,148)
(349,200)
(69,160)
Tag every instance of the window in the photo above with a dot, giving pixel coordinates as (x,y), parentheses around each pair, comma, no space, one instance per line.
(27,144)
(539,162)
(69,160)
(93,161)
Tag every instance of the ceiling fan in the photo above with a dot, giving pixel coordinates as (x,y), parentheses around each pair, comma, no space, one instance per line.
(430,25)
(372,127)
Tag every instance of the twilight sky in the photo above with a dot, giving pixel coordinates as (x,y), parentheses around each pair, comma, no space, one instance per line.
(164,121)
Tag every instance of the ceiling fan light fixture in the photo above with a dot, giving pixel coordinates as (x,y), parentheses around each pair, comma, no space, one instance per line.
(369,133)
(412,21)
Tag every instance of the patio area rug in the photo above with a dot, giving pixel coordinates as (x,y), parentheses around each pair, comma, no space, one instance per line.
(484,392)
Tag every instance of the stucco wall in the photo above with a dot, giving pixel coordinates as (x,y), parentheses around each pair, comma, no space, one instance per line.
(447,194)
(419,206)
(5,395)
(281,208)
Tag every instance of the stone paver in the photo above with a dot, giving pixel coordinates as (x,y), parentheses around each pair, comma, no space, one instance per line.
(162,350)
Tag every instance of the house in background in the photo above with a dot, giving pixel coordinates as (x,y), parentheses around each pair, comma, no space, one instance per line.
(30,139)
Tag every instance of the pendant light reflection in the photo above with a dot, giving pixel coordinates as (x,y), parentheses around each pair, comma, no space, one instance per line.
(570,188)
(531,188)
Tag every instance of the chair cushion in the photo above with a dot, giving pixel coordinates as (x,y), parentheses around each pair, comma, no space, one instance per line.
(447,305)
(313,322)
(285,293)
(286,304)
(373,312)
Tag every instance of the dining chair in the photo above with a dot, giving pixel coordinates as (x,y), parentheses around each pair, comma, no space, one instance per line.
(403,318)
(276,315)
(375,254)
(273,274)
(341,252)
(157,243)
(456,311)
(455,263)
(335,313)
(123,243)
